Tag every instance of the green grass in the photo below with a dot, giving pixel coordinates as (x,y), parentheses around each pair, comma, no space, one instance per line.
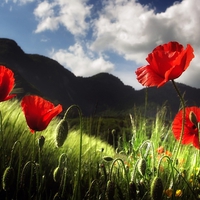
(14,128)
(132,170)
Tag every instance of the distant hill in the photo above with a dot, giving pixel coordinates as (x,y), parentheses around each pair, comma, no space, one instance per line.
(101,94)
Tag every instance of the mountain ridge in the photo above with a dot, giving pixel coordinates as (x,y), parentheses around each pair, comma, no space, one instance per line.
(100,94)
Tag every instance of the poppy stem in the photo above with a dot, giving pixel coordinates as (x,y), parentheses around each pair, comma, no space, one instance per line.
(198,126)
(183,120)
(2,140)
(33,161)
(19,161)
(171,165)
(125,172)
(78,184)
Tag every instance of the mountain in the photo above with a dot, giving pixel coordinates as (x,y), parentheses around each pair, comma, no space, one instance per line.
(100,94)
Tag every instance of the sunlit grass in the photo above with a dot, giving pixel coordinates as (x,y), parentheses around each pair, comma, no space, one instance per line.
(128,172)
(14,128)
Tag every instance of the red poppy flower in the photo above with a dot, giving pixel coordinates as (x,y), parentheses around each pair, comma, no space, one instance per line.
(7,82)
(166,62)
(191,133)
(39,112)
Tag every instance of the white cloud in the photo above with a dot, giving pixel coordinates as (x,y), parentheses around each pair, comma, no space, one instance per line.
(44,9)
(133,31)
(71,14)
(125,27)
(46,16)
(128,78)
(80,63)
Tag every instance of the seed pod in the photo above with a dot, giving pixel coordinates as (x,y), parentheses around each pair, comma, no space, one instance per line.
(156,189)
(57,174)
(142,166)
(61,132)
(193,118)
(110,190)
(8,178)
(108,158)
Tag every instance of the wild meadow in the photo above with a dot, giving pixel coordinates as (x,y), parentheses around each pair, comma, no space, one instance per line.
(46,156)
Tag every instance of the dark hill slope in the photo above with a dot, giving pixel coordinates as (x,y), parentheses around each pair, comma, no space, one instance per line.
(99,94)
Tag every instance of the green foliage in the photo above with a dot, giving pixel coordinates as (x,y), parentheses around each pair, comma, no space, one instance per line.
(138,165)
(14,128)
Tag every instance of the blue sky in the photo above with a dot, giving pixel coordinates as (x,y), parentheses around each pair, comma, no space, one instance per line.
(92,36)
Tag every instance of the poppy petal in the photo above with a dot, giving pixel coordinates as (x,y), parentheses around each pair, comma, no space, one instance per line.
(147,77)
(191,134)
(166,62)
(7,82)
(39,112)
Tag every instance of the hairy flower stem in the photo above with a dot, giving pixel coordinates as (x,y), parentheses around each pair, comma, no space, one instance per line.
(146,102)
(61,159)
(33,161)
(19,161)
(2,140)
(172,172)
(78,184)
(183,121)
(149,143)
(125,171)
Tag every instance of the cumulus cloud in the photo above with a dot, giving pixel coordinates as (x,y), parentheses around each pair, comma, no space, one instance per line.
(70,14)
(132,30)
(81,63)
(46,15)
(126,28)
(128,77)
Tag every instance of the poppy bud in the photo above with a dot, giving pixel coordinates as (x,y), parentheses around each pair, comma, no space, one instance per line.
(61,132)
(157,189)
(113,131)
(41,141)
(8,178)
(108,158)
(142,166)
(193,118)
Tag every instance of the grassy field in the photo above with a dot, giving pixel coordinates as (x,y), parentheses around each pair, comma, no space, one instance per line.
(101,158)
